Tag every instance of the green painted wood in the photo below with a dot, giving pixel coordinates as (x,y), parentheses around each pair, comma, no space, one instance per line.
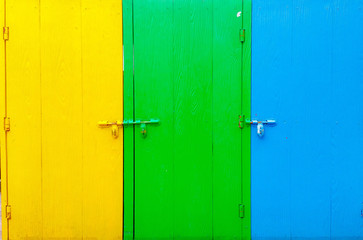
(227,105)
(128,114)
(193,116)
(246,110)
(153,51)
(192,171)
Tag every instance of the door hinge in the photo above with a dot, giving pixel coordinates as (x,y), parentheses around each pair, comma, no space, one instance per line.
(242,121)
(241,211)
(6,124)
(6,33)
(242,35)
(8,211)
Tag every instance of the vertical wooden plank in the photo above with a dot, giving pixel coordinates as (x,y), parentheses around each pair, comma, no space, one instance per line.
(128,115)
(271,86)
(346,99)
(311,71)
(23,108)
(3,147)
(193,119)
(227,105)
(102,100)
(153,49)
(61,118)
(246,111)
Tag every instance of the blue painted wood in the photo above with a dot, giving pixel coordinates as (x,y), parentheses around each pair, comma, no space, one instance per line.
(307,73)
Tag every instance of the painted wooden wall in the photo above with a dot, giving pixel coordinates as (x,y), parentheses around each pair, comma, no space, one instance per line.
(307,73)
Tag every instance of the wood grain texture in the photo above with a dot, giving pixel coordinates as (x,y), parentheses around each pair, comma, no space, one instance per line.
(227,105)
(188,73)
(153,42)
(193,119)
(64,74)
(309,83)
(24,109)
(102,99)
(61,83)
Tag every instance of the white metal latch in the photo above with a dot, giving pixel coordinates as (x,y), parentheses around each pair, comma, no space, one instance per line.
(259,124)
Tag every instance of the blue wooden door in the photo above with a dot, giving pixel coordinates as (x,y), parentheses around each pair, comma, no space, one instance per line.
(307,73)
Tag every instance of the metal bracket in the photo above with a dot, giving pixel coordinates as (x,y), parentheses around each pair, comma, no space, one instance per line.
(7,124)
(8,211)
(241,211)
(117,124)
(142,124)
(6,33)
(242,121)
(260,124)
(242,35)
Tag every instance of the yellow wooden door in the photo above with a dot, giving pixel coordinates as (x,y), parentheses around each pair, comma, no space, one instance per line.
(62,175)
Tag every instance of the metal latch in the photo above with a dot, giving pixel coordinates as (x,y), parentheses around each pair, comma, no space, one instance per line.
(142,124)
(115,125)
(260,124)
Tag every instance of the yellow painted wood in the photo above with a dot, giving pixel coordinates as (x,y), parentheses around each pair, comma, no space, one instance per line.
(63,75)
(62,118)
(2,133)
(103,100)
(23,108)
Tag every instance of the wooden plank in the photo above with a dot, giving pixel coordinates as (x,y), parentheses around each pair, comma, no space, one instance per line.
(102,100)
(227,105)
(62,122)
(3,145)
(153,42)
(23,107)
(128,114)
(193,89)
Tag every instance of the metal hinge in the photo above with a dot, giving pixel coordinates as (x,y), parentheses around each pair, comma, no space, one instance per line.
(7,124)
(8,211)
(6,33)
(242,35)
(241,211)
(242,121)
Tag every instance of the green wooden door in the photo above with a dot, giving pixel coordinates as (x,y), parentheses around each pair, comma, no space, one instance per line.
(183,65)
